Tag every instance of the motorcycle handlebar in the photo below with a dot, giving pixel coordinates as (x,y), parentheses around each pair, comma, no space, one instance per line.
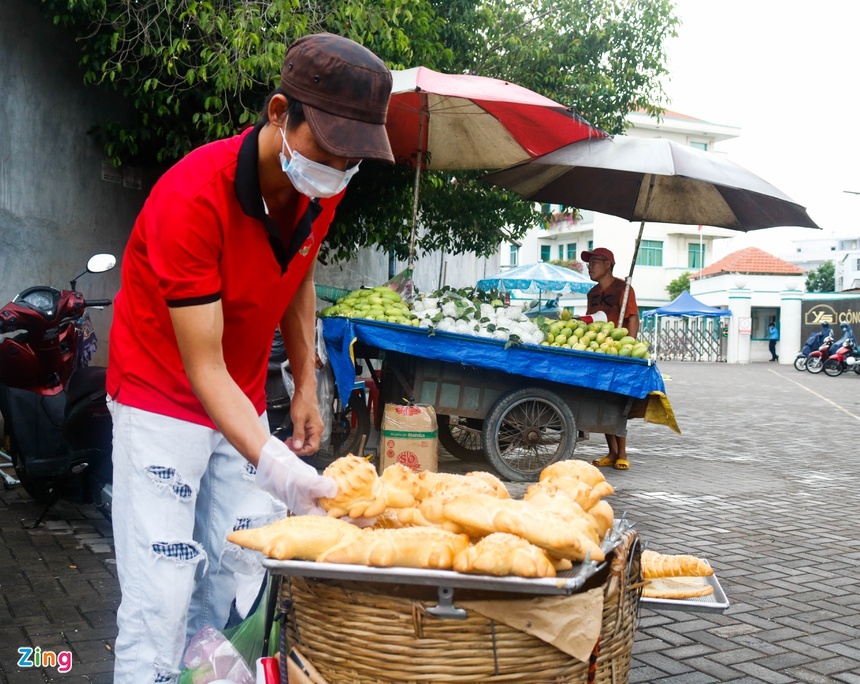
(90,303)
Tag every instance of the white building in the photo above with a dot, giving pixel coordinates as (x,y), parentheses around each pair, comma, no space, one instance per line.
(667,250)
(843,251)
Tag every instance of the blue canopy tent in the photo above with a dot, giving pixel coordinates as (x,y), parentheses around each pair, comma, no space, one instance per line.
(684,305)
(543,277)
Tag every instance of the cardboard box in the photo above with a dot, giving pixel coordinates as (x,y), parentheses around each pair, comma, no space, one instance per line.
(409,435)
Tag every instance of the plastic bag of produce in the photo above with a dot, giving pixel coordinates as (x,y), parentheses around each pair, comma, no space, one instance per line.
(403,284)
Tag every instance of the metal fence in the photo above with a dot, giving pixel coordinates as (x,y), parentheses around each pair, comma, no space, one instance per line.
(684,339)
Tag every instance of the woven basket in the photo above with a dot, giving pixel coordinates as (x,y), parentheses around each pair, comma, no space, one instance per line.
(353,632)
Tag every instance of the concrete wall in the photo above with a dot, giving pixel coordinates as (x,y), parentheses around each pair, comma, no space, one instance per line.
(55,209)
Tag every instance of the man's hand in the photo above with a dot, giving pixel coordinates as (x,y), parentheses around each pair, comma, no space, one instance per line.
(307,424)
(286,477)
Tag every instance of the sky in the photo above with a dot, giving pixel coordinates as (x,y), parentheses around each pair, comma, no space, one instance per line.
(787,73)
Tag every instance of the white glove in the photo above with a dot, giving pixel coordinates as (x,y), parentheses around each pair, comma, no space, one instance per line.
(286,477)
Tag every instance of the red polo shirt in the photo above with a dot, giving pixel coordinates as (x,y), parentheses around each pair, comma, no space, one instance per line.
(609,301)
(203,235)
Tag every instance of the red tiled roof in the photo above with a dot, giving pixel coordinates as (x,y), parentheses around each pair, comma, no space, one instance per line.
(751,260)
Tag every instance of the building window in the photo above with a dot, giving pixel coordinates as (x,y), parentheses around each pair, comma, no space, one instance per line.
(857,267)
(545,252)
(650,253)
(515,255)
(590,245)
(560,252)
(761,318)
(699,145)
(571,251)
(695,256)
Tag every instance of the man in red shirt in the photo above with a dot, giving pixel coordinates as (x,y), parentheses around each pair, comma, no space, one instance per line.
(222,253)
(604,303)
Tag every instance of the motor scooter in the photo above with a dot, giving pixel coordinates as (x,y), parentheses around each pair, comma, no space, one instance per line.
(56,426)
(815,360)
(847,356)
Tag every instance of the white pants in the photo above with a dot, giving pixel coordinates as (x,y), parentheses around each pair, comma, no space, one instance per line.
(178,489)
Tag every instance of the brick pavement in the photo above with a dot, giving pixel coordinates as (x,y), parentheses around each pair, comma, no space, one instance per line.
(763,482)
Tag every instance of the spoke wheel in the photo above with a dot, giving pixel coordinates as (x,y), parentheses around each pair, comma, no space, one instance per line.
(527,430)
(800,363)
(461,437)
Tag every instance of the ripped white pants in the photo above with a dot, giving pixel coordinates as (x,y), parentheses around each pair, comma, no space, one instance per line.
(178,489)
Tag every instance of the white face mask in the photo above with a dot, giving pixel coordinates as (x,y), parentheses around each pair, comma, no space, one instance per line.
(312,178)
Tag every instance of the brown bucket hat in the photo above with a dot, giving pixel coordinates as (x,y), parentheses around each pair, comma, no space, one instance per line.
(344,89)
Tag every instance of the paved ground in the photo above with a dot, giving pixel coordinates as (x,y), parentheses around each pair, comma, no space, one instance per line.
(764,482)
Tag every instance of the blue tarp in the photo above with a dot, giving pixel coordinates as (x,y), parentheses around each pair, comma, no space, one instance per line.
(686,304)
(622,375)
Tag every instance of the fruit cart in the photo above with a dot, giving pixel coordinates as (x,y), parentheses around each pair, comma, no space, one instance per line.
(520,406)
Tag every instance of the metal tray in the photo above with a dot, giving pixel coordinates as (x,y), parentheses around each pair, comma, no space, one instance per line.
(567,582)
(717,602)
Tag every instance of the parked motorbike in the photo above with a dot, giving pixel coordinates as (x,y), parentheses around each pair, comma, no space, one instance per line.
(847,356)
(812,343)
(815,360)
(56,426)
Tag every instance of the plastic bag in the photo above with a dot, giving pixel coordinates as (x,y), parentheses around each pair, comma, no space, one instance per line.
(325,385)
(403,284)
(211,657)
(249,636)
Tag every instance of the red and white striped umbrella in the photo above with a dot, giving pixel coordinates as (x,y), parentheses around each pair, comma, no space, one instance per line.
(446,122)
(458,121)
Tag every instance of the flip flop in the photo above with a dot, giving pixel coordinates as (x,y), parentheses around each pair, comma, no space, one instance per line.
(621,464)
(604,462)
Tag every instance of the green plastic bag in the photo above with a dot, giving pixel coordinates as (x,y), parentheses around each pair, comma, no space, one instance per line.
(249,636)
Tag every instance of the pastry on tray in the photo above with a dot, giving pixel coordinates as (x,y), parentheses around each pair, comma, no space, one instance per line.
(408,547)
(504,554)
(300,537)
(677,588)
(658,565)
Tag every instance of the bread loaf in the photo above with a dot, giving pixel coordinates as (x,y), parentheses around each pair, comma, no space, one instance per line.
(411,547)
(579,470)
(677,588)
(300,537)
(362,494)
(658,565)
(504,554)
(577,490)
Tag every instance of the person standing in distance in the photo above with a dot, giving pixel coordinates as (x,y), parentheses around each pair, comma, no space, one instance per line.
(221,255)
(772,339)
(604,304)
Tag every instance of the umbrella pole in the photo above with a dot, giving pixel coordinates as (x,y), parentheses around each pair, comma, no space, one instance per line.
(416,189)
(635,253)
(630,277)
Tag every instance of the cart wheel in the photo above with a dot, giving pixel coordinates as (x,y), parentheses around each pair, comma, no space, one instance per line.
(527,430)
(461,437)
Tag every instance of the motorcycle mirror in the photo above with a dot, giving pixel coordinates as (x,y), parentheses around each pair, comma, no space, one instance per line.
(99,263)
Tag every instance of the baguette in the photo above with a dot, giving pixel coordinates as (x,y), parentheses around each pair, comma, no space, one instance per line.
(657,565)
(362,494)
